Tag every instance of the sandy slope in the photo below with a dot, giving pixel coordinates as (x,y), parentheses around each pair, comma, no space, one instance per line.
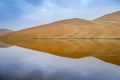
(107,50)
(112,18)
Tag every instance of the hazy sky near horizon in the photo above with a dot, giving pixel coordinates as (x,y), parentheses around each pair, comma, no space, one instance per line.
(19,14)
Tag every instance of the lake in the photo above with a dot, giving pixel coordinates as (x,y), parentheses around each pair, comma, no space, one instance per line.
(17,63)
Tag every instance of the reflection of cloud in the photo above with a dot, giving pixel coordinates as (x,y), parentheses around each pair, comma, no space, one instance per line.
(22,64)
(65,74)
(35,75)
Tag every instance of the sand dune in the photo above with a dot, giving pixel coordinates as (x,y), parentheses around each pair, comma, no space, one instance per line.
(73,38)
(71,28)
(110,17)
(113,18)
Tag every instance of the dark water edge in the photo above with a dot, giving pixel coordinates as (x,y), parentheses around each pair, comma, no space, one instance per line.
(59,38)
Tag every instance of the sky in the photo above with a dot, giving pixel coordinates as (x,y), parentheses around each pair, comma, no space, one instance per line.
(21,14)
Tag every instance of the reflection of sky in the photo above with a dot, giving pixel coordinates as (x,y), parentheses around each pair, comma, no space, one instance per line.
(21,64)
(18,14)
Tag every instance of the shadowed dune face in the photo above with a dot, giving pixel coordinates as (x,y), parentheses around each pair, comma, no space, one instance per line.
(69,39)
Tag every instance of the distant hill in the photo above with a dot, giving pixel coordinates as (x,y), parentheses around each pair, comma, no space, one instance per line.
(5,31)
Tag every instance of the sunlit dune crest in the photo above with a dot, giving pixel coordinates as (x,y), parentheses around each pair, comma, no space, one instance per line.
(113,18)
(74,38)
(110,17)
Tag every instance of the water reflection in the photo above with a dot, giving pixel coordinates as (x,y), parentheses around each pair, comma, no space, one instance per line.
(107,50)
(4,45)
(23,64)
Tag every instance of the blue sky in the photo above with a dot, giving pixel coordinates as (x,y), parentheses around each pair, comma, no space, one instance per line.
(20,14)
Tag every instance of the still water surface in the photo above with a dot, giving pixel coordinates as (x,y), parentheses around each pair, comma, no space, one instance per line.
(18,63)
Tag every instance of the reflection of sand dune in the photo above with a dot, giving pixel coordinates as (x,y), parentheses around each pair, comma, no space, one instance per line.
(107,50)
(4,45)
